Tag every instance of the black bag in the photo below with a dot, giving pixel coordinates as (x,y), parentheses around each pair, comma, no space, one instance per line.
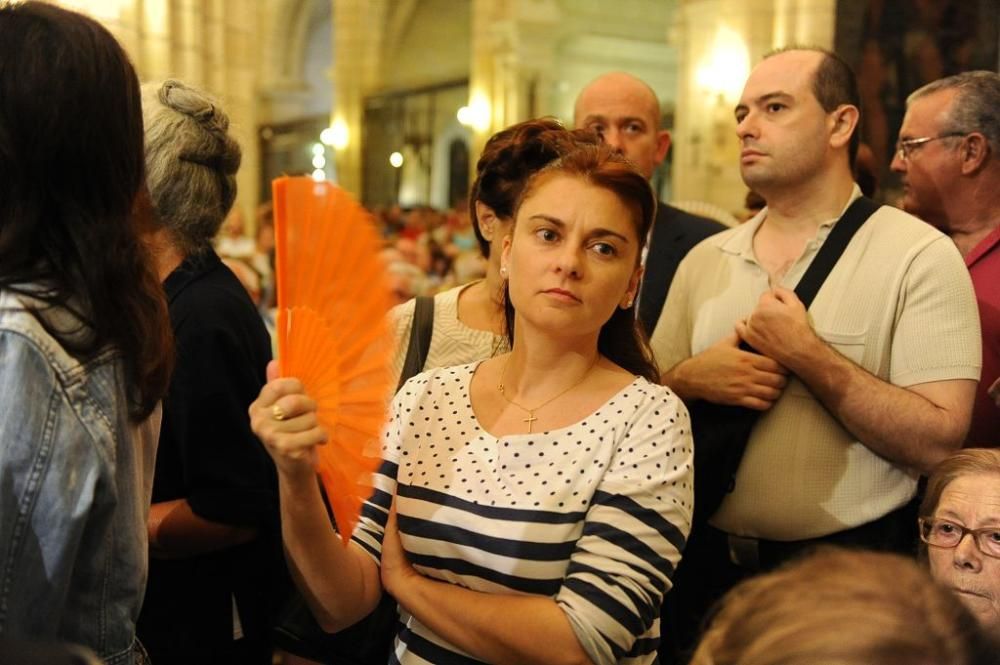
(721,431)
(369,641)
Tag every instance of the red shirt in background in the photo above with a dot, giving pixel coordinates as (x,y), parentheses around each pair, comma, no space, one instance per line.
(984,267)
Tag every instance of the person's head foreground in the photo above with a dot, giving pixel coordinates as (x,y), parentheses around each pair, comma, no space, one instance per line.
(843,607)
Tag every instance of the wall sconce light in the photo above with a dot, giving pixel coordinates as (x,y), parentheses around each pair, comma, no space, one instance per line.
(724,71)
(477,114)
(396,159)
(335,135)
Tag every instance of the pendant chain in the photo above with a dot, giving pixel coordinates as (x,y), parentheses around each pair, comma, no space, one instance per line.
(531,412)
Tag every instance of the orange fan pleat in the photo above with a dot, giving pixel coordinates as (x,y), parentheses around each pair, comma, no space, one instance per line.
(333,297)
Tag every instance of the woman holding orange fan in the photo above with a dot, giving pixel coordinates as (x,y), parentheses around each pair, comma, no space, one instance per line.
(530,507)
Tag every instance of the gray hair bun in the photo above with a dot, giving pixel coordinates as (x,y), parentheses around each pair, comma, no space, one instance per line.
(199,106)
(191,161)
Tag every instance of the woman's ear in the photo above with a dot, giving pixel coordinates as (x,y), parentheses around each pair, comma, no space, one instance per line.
(505,256)
(633,288)
(487,220)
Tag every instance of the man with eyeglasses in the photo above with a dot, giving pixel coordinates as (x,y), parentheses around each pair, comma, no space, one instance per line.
(960,530)
(948,155)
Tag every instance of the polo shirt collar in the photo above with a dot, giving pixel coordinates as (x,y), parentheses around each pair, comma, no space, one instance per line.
(740,243)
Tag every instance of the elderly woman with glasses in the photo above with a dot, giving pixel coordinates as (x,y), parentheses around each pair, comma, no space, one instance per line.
(960,530)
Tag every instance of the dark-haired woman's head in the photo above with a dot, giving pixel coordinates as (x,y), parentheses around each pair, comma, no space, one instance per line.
(509,158)
(191,162)
(71,173)
(70,123)
(573,257)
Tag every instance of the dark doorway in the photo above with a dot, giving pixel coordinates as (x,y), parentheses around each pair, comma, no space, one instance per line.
(458,171)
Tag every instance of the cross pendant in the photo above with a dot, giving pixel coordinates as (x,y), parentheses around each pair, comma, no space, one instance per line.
(530,419)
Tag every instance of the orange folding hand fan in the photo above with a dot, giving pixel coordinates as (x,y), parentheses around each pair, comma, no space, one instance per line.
(332,332)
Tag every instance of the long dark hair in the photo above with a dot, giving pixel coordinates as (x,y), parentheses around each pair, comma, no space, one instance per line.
(621,339)
(71,174)
(510,157)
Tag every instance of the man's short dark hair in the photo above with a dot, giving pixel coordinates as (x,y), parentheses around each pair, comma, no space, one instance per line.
(834,84)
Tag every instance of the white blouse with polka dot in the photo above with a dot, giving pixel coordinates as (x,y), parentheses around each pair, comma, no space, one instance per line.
(594,515)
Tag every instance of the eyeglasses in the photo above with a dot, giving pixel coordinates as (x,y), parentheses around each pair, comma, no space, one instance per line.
(942,533)
(905,148)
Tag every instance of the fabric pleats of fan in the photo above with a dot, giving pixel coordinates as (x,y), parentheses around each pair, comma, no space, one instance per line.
(332,332)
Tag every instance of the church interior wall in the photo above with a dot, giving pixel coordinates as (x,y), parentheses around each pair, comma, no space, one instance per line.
(290,68)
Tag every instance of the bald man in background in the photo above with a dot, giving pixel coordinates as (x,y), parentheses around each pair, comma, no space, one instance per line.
(625,112)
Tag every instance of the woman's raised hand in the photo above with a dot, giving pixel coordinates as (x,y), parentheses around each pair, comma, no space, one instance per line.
(284,418)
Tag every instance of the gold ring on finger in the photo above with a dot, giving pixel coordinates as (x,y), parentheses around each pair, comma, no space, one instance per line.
(277,412)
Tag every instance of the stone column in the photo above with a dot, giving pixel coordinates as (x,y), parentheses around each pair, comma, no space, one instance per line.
(208,43)
(484,80)
(513,52)
(239,67)
(121,17)
(358,27)
(189,40)
(156,43)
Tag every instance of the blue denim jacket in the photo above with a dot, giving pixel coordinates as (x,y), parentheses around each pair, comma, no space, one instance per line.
(75,481)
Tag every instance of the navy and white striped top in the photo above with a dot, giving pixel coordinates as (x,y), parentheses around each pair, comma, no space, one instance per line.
(594,514)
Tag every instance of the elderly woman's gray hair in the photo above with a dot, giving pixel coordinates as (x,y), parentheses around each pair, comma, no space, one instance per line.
(191,162)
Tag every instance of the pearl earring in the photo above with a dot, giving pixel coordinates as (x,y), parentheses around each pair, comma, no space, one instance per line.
(503,271)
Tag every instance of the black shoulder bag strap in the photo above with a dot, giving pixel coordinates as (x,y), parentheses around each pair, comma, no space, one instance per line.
(721,431)
(856,214)
(421,331)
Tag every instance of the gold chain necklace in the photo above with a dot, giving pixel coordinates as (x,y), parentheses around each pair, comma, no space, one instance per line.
(531,412)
